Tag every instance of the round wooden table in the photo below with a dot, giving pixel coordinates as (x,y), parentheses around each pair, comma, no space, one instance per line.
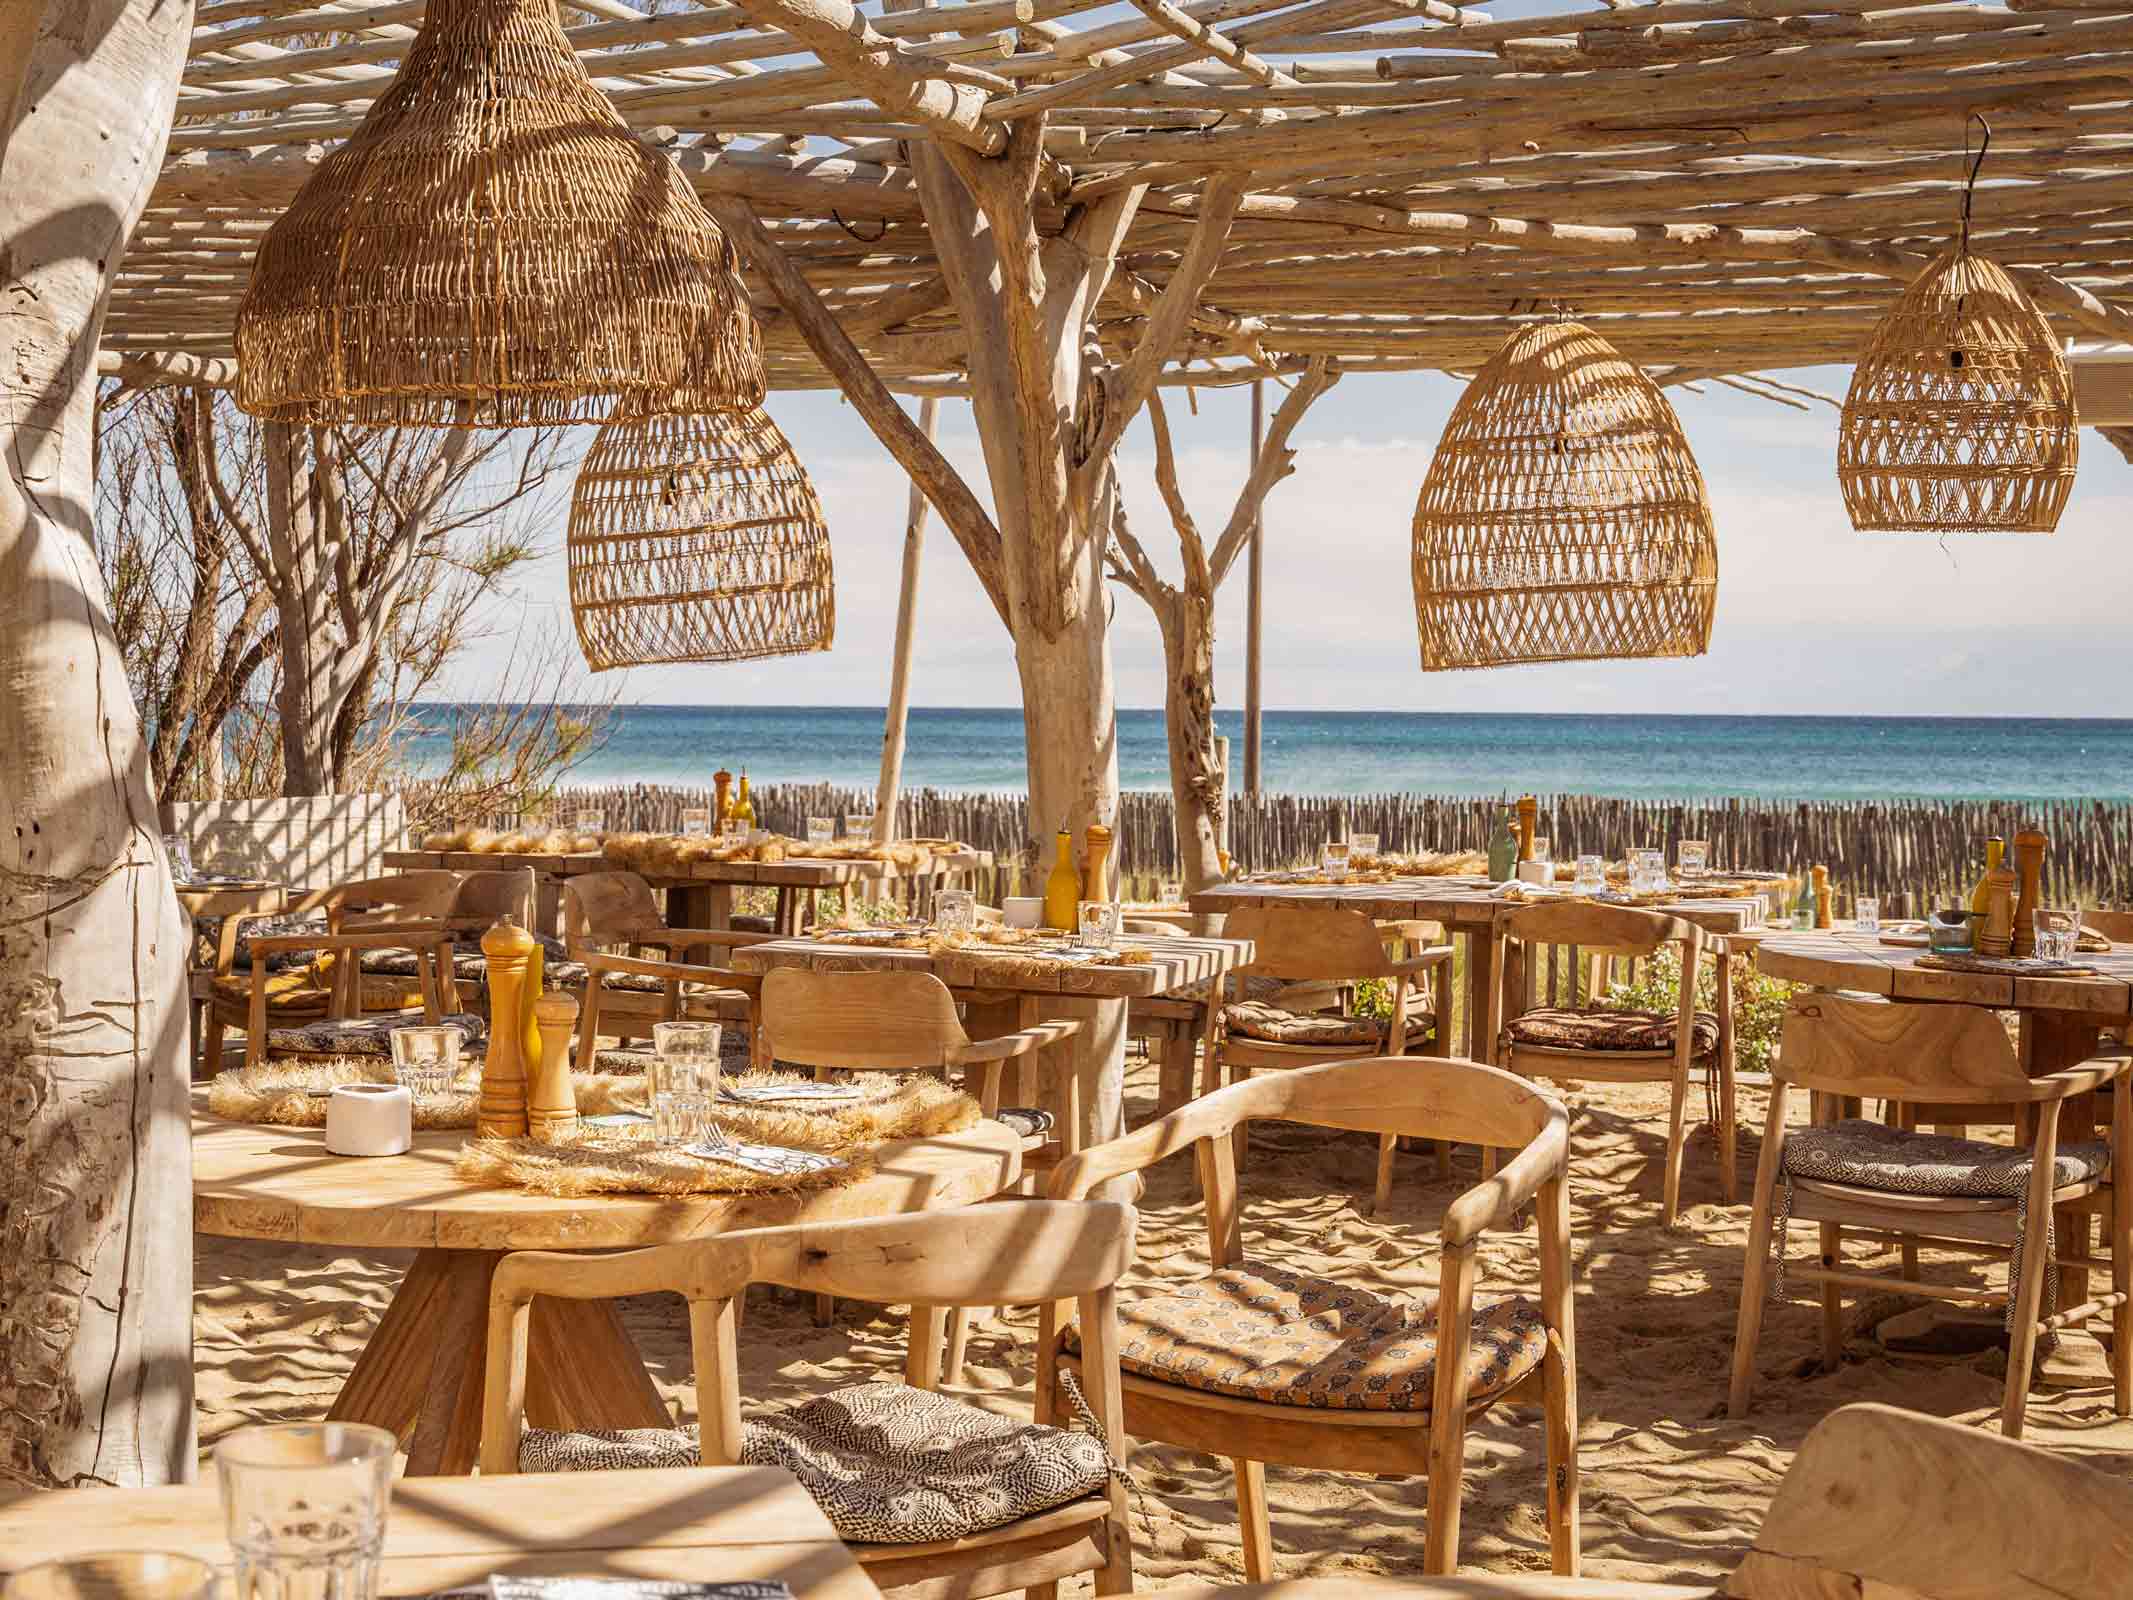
(421,1372)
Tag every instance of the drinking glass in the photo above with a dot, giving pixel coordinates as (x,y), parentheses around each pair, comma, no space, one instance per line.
(820,830)
(2058,931)
(1647,871)
(695,821)
(305,1507)
(955,910)
(590,821)
(682,1078)
(1866,914)
(1099,924)
(1592,875)
(1170,893)
(426,1060)
(1694,855)
(859,824)
(182,869)
(1333,860)
(1543,849)
(1363,844)
(116,1575)
(732,828)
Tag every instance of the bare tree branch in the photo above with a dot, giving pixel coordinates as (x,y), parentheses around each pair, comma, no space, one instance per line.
(1276,461)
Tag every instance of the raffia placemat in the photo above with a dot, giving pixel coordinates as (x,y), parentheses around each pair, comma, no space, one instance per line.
(1008,951)
(293,1093)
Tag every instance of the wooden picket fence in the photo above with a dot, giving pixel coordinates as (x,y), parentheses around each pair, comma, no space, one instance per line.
(1909,853)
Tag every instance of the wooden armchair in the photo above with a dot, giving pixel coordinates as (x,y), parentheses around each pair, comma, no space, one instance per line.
(1018,1252)
(402,911)
(1880,1180)
(1216,1365)
(608,914)
(1307,948)
(1584,1044)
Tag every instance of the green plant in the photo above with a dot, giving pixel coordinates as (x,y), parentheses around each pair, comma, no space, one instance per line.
(1758,1002)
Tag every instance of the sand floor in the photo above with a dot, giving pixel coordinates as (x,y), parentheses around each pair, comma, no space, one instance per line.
(1671,1488)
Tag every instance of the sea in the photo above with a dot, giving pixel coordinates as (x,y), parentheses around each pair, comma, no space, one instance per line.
(1371,752)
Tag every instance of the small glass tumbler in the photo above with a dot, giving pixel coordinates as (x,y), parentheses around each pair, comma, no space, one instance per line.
(589,821)
(1591,875)
(182,870)
(1170,894)
(1099,924)
(731,828)
(1543,849)
(695,821)
(955,910)
(859,824)
(1647,871)
(305,1507)
(1333,860)
(821,830)
(426,1060)
(1362,844)
(1694,855)
(2058,931)
(1866,914)
(116,1575)
(682,1078)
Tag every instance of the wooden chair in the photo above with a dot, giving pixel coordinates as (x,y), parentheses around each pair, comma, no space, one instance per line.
(1586,1044)
(1879,1503)
(1011,1252)
(608,914)
(403,910)
(478,903)
(1308,947)
(1844,1047)
(1255,1416)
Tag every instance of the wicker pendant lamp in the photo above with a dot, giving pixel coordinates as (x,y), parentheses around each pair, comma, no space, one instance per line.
(697,538)
(1960,417)
(493,248)
(1563,518)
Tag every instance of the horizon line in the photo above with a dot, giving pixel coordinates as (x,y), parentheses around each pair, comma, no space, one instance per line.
(1320,711)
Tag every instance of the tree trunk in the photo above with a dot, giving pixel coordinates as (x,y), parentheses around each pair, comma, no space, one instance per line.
(1196,777)
(317,669)
(95,1179)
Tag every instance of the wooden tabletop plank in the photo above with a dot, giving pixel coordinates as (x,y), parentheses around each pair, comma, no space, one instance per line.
(710,1523)
(1845,959)
(1178,961)
(258,1182)
(1463,904)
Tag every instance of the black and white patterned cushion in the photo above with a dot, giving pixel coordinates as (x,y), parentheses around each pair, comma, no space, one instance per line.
(365,1036)
(209,930)
(888,1464)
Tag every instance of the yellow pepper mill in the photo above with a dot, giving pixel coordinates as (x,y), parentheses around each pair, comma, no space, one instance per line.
(514,1049)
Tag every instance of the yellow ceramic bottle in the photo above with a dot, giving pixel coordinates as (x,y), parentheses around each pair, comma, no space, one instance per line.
(1062,890)
(1981,896)
(744,804)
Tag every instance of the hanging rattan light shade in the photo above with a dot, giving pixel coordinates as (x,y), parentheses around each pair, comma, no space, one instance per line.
(1960,417)
(697,538)
(493,248)
(1563,518)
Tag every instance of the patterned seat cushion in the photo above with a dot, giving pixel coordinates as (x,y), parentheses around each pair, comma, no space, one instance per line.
(888,1464)
(1257,986)
(1258,1019)
(1561,1028)
(364,1036)
(1287,1338)
(1869,1155)
(209,930)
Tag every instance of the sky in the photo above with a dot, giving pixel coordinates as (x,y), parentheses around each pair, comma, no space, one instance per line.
(1813,618)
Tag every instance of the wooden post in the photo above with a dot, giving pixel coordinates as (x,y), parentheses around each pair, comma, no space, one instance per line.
(892,733)
(1222,814)
(1254,607)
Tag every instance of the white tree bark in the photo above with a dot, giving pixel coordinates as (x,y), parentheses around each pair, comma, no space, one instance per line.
(95,1181)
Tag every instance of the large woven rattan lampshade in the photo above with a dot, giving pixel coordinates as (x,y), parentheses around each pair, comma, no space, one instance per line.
(1563,518)
(1960,417)
(697,538)
(493,248)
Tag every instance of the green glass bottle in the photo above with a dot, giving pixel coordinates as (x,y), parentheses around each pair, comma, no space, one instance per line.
(1503,851)
(1803,909)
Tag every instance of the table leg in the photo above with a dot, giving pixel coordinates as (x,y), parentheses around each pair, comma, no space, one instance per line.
(421,1374)
(1099,1073)
(700,905)
(793,905)
(1723,1064)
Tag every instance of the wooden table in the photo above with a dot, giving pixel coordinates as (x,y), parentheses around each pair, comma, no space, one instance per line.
(421,1373)
(702,897)
(1095,996)
(708,1524)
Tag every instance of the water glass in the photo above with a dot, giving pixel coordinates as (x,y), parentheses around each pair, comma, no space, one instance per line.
(1363,844)
(426,1060)
(182,870)
(1866,914)
(695,821)
(1099,924)
(305,1507)
(1647,871)
(1591,875)
(1333,861)
(820,830)
(1543,849)
(2058,931)
(955,910)
(1171,892)
(1694,856)
(589,821)
(681,1078)
(731,828)
(859,824)
(117,1575)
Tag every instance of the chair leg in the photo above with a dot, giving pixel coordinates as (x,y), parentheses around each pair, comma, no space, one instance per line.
(1762,1219)
(589,1024)
(1832,1298)
(2029,1293)
(1252,1522)
(1676,1141)
(922,1361)
(958,1345)
(1381,1201)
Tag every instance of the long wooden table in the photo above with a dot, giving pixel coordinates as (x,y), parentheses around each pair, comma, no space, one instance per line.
(702,897)
(707,1524)
(420,1375)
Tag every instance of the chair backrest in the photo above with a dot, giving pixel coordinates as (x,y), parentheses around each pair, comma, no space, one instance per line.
(1612,930)
(1887,1502)
(482,897)
(896,1020)
(368,901)
(606,908)
(1308,942)
(2116,926)
(1886,1049)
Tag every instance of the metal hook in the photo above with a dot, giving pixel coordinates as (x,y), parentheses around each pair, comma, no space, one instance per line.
(1970,183)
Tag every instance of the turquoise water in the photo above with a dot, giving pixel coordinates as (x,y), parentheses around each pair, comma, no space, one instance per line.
(1638,757)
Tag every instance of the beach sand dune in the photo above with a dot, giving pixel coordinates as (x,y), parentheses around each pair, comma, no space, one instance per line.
(1671,1488)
